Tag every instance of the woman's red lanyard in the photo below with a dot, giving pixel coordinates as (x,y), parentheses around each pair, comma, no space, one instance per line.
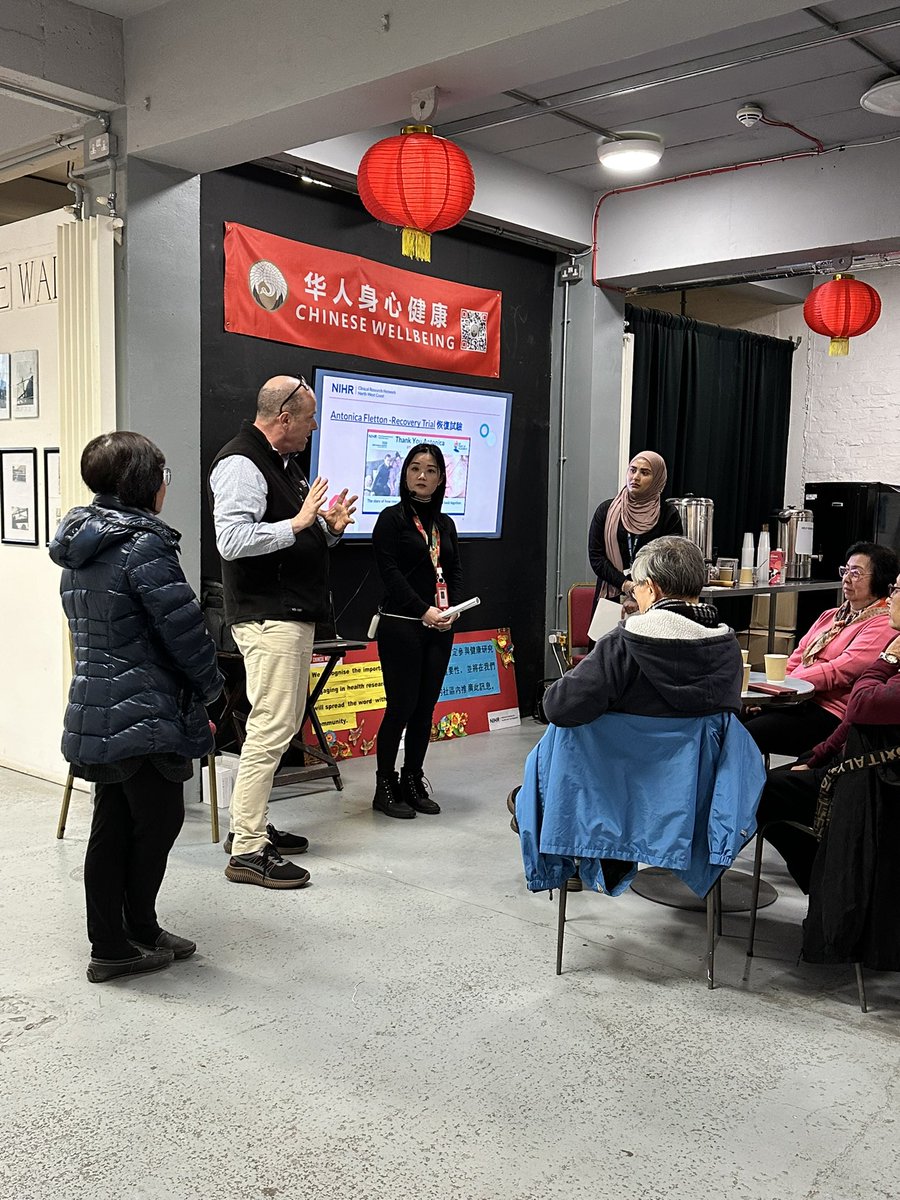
(441,596)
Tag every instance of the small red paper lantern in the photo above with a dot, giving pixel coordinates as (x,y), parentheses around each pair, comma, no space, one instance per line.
(841,309)
(418,181)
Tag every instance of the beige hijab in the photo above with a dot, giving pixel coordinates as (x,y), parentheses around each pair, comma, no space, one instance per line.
(636,516)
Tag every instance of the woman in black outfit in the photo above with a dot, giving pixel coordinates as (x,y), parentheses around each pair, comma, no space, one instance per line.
(417,555)
(145,665)
(622,525)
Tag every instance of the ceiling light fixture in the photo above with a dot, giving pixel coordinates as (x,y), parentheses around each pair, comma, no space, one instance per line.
(632,150)
(883,98)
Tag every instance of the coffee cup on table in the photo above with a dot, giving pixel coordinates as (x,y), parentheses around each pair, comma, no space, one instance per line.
(745,579)
(776,667)
(745,655)
(726,574)
(746,684)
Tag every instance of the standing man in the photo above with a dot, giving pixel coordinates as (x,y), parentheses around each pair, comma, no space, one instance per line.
(273,533)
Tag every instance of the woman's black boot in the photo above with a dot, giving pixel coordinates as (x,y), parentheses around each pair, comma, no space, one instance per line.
(388,798)
(414,791)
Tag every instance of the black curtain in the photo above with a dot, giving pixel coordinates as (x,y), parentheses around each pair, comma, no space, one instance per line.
(715,403)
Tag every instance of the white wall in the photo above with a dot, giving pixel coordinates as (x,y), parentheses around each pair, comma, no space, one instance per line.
(31,623)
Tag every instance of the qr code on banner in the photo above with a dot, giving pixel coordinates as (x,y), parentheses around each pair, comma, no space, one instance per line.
(473,330)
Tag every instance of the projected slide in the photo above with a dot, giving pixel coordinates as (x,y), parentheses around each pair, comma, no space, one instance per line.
(367,425)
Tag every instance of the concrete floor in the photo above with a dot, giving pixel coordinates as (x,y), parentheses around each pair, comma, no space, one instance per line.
(397,1028)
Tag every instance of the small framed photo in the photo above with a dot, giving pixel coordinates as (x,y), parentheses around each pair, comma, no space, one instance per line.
(24,383)
(18,497)
(52,500)
(5,406)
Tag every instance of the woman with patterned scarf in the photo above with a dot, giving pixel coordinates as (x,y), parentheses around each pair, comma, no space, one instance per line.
(833,654)
(622,525)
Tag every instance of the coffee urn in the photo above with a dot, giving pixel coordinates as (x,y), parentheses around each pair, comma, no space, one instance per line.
(696,514)
(795,537)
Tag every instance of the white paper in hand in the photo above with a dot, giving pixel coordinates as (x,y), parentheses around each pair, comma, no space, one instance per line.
(607,616)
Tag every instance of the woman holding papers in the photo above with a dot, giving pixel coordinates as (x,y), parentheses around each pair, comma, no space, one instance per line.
(622,525)
(417,555)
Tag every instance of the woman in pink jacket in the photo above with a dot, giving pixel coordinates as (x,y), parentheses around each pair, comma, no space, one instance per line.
(833,654)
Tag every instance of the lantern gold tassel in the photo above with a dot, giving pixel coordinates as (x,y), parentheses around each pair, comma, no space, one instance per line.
(416,244)
(838,347)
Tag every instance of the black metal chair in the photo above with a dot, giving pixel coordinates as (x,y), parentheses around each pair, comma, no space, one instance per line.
(713,928)
(757,870)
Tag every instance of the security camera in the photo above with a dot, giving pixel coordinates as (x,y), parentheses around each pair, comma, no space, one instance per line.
(749,114)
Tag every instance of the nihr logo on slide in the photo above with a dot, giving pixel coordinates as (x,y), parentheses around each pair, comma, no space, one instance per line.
(268,286)
(342,389)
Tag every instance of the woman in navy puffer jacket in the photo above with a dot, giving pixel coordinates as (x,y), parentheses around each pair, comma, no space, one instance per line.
(145,665)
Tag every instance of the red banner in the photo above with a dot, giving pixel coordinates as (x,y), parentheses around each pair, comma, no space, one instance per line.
(291,292)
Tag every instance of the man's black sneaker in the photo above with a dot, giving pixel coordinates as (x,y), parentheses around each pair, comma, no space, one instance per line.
(181,947)
(284,843)
(388,798)
(511,807)
(415,790)
(101,970)
(266,868)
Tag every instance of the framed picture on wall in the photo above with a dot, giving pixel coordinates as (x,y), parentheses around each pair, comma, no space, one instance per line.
(25,383)
(5,409)
(18,497)
(52,500)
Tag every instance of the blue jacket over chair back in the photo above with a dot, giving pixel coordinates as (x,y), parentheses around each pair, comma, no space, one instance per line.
(676,792)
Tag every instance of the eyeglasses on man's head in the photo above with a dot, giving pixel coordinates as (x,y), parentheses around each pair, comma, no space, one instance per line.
(299,388)
(853,573)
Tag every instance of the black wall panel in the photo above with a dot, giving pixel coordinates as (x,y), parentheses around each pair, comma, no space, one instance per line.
(508,573)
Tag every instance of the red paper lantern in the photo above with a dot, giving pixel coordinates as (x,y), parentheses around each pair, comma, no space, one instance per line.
(841,309)
(418,181)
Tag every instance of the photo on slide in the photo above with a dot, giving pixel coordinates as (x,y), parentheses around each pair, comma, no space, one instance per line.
(386,450)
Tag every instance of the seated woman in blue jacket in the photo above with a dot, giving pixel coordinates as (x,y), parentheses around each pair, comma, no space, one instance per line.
(672,659)
(144,668)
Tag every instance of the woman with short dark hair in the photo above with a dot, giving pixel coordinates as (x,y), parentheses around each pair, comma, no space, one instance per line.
(144,668)
(833,653)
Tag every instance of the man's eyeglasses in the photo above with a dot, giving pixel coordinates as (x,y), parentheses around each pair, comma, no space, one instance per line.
(167,476)
(853,573)
(894,589)
(299,388)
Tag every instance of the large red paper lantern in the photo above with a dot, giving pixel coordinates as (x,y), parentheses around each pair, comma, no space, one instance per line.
(418,181)
(841,309)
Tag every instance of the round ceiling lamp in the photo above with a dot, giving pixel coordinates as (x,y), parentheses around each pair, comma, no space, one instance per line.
(883,98)
(418,181)
(632,150)
(840,309)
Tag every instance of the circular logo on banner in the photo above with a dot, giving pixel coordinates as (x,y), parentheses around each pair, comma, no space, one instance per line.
(268,286)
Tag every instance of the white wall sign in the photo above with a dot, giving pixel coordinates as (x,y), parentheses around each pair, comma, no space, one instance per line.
(36,281)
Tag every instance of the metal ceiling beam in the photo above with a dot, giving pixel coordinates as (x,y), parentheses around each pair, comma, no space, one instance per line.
(695,69)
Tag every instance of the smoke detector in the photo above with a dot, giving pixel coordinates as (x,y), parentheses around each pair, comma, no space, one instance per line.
(749,115)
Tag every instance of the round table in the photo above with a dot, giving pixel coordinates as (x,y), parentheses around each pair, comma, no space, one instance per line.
(801,688)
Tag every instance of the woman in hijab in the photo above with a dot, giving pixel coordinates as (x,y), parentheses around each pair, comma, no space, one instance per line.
(622,525)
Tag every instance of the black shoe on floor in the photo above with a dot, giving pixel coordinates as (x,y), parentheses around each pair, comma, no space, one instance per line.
(181,947)
(415,790)
(266,868)
(101,970)
(388,797)
(511,806)
(284,843)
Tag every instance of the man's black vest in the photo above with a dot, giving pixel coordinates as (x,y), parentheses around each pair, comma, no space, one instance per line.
(288,585)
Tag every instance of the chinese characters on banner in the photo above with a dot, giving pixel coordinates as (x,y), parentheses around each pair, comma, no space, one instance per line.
(479,694)
(289,291)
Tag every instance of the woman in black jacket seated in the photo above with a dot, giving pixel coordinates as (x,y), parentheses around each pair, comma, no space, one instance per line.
(144,668)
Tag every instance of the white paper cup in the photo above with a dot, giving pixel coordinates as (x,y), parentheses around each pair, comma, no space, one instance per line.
(745,655)
(776,666)
(746,685)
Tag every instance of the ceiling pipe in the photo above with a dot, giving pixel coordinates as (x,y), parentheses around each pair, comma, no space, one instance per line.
(24,93)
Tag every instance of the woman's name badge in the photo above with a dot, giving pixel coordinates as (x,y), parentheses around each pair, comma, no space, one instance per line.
(441,596)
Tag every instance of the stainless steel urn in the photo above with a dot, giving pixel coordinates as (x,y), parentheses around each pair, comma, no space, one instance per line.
(795,537)
(696,514)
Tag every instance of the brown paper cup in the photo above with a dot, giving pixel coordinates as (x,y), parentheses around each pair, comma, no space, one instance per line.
(745,655)
(776,666)
(745,579)
(746,685)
